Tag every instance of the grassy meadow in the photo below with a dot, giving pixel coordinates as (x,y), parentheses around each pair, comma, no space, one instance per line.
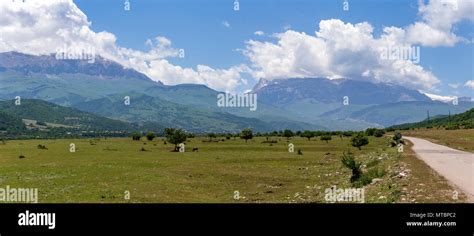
(102,170)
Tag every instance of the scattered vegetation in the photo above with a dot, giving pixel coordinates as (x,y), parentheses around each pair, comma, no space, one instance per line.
(288,134)
(379,133)
(308,134)
(348,161)
(136,136)
(397,139)
(326,138)
(246,134)
(359,140)
(150,136)
(175,136)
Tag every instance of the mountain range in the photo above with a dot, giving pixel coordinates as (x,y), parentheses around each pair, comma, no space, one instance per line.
(103,87)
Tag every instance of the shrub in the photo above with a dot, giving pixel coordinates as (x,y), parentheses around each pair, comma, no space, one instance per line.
(308,134)
(379,133)
(347,133)
(211,136)
(150,136)
(370,131)
(348,161)
(288,134)
(175,136)
(396,139)
(246,134)
(359,141)
(136,136)
(326,138)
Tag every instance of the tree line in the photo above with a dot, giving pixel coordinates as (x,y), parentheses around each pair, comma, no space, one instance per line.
(176,136)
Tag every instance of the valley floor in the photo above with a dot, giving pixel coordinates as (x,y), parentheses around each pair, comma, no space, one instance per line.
(230,171)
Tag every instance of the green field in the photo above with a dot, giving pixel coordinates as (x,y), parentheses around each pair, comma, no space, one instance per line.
(102,170)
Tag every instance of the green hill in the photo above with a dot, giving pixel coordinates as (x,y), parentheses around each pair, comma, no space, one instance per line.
(9,122)
(37,118)
(145,108)
(42,111)
(407,112)
(463,120)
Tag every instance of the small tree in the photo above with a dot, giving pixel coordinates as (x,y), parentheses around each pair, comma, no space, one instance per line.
(326,138)
(288,134)
(349,162)
(359,140)
(136,136)
(211,136)
(397,139)
(347,133)
(307,134)
(246,134)
(370,131)
(175,136)
(379,133)
(150,136)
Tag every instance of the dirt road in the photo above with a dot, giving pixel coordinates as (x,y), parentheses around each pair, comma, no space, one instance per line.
(456,166)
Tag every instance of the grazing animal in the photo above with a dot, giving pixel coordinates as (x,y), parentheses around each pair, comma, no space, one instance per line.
(195,149)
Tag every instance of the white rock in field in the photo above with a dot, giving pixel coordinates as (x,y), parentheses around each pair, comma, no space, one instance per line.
(402,174)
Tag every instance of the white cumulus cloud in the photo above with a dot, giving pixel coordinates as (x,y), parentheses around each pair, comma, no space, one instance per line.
(337,50)
(469,84)
(438,19)
(42,27)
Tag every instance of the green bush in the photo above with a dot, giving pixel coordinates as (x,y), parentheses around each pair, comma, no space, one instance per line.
(326,138)
(370,131)
(150,136)
(175,136)
(379,133)
(136,136)
(246,134)
(359,141)
(348,161)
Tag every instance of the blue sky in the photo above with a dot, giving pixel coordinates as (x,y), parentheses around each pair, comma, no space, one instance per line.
(197,26)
